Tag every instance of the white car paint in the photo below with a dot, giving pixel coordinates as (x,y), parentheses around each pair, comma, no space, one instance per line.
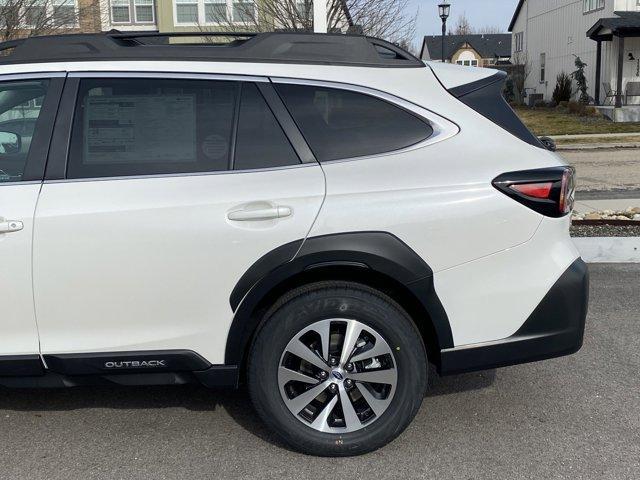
(17,317)
(149,263)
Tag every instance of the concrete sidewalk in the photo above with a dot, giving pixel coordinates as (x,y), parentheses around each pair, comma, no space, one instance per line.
(586,206)
(593,135)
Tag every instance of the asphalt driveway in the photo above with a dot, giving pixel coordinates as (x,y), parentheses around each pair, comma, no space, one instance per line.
(574,417)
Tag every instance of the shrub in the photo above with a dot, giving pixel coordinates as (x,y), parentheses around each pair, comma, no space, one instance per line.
(564,87)
(581,80)
(591,112)
(575,108)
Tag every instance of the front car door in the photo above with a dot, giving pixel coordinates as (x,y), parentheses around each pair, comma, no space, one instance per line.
(28,106)
(173,188)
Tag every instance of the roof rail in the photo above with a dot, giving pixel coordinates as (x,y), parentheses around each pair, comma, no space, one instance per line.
(275,47)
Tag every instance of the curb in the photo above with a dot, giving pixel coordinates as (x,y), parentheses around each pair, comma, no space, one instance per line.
(608,249)
(575,147)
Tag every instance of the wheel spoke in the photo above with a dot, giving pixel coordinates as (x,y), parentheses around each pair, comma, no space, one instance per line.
(379,349)
(378,406)
(320,423)
(298,403)
(286,375)
(324,330)
(351,420)
(299,349)
(387,377)
(354,329)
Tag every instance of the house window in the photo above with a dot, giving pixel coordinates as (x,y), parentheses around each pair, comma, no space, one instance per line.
(186,11)
(36,13)
(145,13)
(474,63)
(132,11)
(120,11)
(213,12)
(243,11)
(303,8)
(592,5)
(543,67)
(64,12)
(459,62)
(519,41)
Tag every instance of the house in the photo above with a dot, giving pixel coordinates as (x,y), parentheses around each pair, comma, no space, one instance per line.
(605,34)
(41,17)
(169,16)
(478,50)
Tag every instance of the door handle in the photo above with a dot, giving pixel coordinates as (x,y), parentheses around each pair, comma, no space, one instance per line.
(258,214)
(9,226)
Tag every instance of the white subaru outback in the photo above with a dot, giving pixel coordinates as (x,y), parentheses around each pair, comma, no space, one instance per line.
(314,216)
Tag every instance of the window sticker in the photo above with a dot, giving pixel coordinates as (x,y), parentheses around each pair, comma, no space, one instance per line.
(140,129)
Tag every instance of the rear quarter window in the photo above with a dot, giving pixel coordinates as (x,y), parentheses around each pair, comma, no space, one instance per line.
(341,124)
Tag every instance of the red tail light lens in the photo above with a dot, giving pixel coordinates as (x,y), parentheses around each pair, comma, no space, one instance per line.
(535,190)
(549,191)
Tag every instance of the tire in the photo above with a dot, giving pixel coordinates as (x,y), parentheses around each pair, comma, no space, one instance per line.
(343,308)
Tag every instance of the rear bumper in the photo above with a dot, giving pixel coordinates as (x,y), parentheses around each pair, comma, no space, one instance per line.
(555,328)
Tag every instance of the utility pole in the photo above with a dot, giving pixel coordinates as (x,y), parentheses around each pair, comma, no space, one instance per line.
(320,16)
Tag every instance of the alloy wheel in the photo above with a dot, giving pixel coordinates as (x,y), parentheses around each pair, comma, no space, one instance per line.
(337,375)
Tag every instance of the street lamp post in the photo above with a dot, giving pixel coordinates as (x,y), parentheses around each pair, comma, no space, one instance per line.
(443,10)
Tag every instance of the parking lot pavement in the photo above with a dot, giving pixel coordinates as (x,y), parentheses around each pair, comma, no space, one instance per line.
(576,417)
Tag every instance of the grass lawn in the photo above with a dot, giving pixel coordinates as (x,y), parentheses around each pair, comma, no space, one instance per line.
(549,121)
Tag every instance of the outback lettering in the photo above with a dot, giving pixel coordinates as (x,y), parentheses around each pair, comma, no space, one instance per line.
(136,364)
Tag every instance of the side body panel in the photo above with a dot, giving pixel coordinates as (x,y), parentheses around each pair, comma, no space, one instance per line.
(149,263)
(17,320)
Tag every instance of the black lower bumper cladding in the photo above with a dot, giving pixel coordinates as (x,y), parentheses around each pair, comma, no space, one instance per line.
(555,328)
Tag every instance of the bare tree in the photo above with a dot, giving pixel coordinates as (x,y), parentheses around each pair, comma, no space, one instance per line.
(489,30)
(25,18)
(521,71)
(388,19)
(463,26)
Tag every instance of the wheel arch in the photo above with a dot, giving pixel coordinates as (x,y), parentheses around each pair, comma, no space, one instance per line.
(377,259)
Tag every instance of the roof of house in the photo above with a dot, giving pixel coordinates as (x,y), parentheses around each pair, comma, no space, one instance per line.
(515,15)
(326,49)
(624,22)
(492,45)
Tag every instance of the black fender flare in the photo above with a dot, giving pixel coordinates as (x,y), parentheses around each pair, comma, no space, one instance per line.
(381,252)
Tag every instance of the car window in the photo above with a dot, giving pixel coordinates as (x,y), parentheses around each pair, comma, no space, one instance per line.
(20,106)
(341,124)
(261,143)
(145,126)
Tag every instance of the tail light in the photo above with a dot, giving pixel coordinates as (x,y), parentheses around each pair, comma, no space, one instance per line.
(549,191)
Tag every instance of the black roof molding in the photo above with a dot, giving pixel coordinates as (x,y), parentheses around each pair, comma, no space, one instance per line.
(515,15)
(625,24)
(276,47)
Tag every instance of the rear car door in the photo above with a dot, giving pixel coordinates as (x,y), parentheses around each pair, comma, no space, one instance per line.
(170,189)
(28,106)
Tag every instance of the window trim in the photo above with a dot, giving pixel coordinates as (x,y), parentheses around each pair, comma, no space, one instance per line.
(61,141)
(35,164)
(443,129)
